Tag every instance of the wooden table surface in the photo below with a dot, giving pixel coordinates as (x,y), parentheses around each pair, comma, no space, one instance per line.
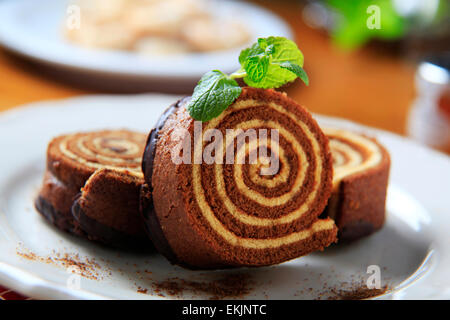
(365,86)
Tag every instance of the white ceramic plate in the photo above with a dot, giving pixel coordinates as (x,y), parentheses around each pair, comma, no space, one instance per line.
(34,29)
(412,250)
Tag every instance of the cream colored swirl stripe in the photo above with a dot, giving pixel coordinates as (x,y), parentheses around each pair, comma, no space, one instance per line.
(80,144)
(356,161)
(252,220)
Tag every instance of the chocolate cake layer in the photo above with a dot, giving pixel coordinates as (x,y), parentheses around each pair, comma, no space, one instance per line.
(361,173)
(221,214)
(91,187)
(153,228)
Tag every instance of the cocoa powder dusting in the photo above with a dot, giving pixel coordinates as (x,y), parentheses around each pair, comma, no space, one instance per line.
(142,290)
(229,286)
(85,267)
(356,293)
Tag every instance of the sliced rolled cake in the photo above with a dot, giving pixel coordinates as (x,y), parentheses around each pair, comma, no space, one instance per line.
(91,186)
(219,214)
(361,171)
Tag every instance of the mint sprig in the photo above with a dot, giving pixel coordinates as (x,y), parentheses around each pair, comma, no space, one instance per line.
(269,63)
(295,68)
(212,95)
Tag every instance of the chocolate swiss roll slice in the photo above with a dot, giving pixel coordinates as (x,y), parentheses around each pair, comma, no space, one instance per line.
(245,207)
(91,186)
(361,171)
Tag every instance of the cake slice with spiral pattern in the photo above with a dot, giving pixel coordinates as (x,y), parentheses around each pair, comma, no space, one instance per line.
(205,215)
(91,186)
(361,172)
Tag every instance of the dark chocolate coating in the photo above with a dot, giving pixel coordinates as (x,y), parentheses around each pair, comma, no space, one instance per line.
(150,148)
(108,235)
(105,234)
(152,225)
(58,219)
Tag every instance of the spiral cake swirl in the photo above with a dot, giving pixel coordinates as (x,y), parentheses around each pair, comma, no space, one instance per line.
(361,172)
(116,150)
(91,186)
(246,213)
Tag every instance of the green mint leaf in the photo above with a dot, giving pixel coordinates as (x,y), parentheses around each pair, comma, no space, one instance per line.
(295,68)
(213,94)
(254,50)
(262,43)
(261,47)
(275,50)
(243,56)
(269,63)
(256,67)
(285,50)
(269,49)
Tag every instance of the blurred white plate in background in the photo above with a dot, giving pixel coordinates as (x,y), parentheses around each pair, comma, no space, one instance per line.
(33,29)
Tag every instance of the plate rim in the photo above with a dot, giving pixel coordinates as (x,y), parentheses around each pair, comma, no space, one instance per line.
(33,285)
